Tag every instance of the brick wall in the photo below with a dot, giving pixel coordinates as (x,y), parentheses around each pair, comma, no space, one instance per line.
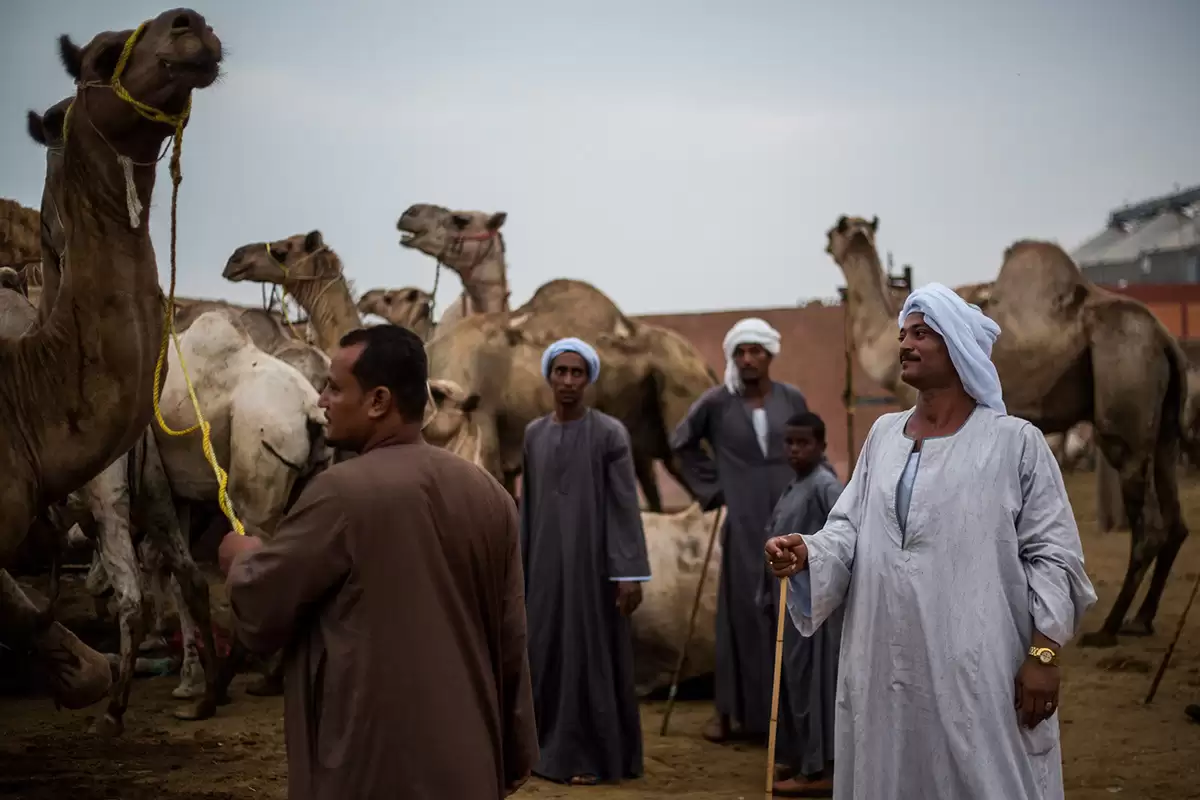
(812,358)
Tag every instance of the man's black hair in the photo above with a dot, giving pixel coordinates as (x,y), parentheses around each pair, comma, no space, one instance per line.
(807,419)
(393,357)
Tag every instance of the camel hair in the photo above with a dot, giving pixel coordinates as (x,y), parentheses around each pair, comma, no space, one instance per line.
(65,425)
(651,401)
(407,307)
(1068,352)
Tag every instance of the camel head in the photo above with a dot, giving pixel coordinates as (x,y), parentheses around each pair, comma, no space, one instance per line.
(171,55)
(848,231)
(297,258)
(452,426)
(409,307)
(459,239)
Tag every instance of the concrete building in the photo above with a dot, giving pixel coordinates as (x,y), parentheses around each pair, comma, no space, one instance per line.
(1152,242)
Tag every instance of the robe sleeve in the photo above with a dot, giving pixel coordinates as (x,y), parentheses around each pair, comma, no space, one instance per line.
(520,744)
(697,466)
(624,536)
(527,495)
(817,591)
(271,589)
(1048,541)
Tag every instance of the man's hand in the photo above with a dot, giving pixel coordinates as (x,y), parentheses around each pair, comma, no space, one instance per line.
(629,596)
(233,545)
(1037,692)
(787,555)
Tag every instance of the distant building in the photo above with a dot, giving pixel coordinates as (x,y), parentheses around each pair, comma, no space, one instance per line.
(1153,242)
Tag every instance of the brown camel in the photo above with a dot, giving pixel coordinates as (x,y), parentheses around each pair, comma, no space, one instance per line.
(66,423)
(1068,352)
(408,307)
(311,272)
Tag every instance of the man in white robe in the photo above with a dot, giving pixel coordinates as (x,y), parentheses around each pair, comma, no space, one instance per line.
(955,555)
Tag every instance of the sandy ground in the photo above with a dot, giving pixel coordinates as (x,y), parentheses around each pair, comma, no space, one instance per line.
(1113,744)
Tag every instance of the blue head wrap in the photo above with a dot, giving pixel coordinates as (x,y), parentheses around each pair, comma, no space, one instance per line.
(572,345)
(969,336)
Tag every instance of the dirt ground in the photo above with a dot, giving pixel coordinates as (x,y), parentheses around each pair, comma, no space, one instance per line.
(1113,744)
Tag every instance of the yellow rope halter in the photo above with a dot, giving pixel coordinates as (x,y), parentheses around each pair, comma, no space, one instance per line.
(169,333)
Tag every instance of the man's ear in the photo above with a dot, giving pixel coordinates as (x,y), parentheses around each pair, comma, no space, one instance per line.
(381,402)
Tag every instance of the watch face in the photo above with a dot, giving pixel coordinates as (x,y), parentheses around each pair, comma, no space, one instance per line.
(1045,657)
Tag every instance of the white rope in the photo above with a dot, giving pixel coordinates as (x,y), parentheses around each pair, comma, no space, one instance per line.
(132,202)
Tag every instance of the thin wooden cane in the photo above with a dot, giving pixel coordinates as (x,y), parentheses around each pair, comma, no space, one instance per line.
(783,586)
(712,538)
(1166,659)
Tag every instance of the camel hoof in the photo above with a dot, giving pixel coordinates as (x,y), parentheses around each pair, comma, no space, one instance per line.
(265,687)
(109,726)
(201,709)
(187,691)
(1098,639)
(78,674)
(1136,627)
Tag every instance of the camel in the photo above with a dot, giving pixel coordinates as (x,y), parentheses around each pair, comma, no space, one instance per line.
(63,426)
(1069,352)
(408,307)
(650,403)
(308,270)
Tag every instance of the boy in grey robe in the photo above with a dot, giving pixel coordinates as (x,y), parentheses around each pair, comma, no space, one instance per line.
(584,557)
(955,554)
(804,755)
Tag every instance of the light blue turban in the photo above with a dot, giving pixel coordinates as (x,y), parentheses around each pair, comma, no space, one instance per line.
(572,345)
(969,336)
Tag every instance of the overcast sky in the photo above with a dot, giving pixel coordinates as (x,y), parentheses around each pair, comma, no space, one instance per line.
(679,154)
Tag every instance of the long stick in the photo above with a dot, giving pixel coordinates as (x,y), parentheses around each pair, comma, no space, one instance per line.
(783,584)
(712,538)
(1162,667)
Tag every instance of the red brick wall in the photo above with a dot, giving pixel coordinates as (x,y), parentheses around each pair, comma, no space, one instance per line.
(812,358)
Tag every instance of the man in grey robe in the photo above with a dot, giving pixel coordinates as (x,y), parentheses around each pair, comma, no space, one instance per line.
(742,421)
(956,557)
(804,744)
(584,557)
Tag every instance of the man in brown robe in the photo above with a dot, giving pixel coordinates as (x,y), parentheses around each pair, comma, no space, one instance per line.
(395,585)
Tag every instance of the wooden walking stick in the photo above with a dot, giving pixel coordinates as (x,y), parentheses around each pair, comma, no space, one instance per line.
(712,538)
(783,586)
(1166,659)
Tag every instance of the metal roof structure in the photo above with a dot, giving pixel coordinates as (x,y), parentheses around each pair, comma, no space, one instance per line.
(1164,224)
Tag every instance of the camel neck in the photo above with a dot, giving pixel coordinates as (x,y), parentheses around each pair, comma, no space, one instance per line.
(327,301)
(106,320)
(486,283)
(872,318)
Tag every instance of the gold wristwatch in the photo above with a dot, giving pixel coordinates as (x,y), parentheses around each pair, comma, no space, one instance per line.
(1044,655)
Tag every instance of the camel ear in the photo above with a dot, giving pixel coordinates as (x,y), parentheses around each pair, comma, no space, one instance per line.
(314,241)
(471,403)
(37,130)
(71,56)
(496,220)
(874,224)
(841,224)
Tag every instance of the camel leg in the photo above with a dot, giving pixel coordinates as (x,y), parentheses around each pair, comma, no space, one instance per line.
(167,530)
(1166,490)
(1137,405)
(107,496)
(1110,506)
(643,467)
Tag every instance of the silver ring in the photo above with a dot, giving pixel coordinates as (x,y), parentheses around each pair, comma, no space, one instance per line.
(1049,706)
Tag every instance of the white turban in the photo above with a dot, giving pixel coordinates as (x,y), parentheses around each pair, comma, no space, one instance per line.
(969,336)
(751,330)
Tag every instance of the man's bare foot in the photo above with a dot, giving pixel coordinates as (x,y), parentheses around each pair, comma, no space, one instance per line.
(716,730)
(783,772)
(583,780)
(799,786)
